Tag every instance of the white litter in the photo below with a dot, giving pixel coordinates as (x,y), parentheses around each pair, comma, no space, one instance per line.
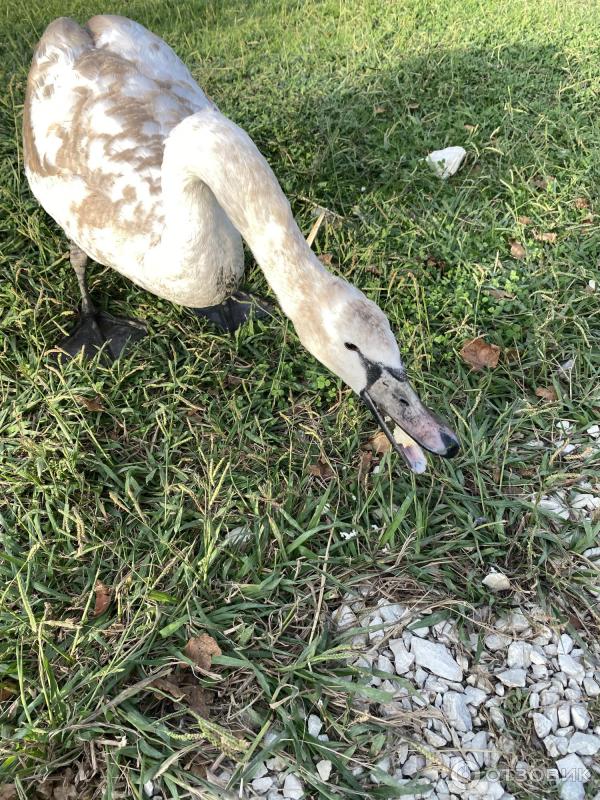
(446,162)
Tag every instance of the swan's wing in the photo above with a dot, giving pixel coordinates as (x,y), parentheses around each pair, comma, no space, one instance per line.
(94,124)
(150,54)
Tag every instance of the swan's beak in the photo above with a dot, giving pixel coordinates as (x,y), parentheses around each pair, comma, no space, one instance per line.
(391,395)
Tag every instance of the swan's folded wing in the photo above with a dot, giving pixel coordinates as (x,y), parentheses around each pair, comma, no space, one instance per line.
(150,54)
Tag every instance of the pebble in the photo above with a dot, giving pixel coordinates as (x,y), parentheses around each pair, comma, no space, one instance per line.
(542,725)
(474,696)
(584,744)
(571,667)
(497,582)
(572,768)
(293,787)
(497,641)
(324,769)
(591,687)
(457,712)
(403,659)
(314,725)
(413,764)
(512,677)
(580,717)
(437,659)
(262,785)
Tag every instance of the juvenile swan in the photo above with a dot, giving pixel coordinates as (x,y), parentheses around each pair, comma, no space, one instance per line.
(145,175)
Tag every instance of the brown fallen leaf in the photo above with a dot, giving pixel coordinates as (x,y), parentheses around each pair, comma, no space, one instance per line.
(541,182)
(168,687)
(545,237)
(326,258)
(321,469)
(378,109)
(582,202)
(479,354)
(8,791)
(378,444)
(90,405)
(201,649)
(501,294)
(103,596)
(198,699)
(366,457)
(469,128)
(7,692)
(517,250)
(524,220)
(546,393)
(435,263)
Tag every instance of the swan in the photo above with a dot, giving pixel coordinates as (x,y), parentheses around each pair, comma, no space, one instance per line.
(145,175)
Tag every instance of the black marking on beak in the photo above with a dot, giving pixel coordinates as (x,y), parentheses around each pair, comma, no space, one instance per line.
(366,398)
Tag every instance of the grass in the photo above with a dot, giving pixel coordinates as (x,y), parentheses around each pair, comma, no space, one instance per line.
(200,434)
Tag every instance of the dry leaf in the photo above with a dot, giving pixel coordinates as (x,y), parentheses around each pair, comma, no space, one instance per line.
(510,354)
(321,469)
(366,456)
(8,791)
(90,405)
(201,649)
(517,250)
(545,237)
(524,220)
(198,699)
(546,393)
(479,354)
(325,258)
(469,128)
(582,202)
(166,686)
(378,444)
(103,595)
(541,182)
(378,109)
(7,693)
(501,294)
(436,263)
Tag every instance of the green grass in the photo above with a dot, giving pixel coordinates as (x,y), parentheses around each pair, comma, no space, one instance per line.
(201,433)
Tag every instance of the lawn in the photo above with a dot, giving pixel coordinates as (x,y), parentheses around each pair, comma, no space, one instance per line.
(183,476)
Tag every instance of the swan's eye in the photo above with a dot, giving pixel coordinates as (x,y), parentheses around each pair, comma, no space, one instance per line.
(350,346)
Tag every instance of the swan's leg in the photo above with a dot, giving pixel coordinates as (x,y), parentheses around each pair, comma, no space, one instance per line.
(235,311)
(95,329)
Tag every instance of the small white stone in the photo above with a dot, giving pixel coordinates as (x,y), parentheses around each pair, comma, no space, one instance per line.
(564,714)
(314,725)
(403,659)
(436,658)
(565,643)
(580,716)
(519,655)
(384,765)
(434,739)
(149,788)
(474,696)
(572,790)
(542,725)
(512,677)
(446,162)
(534,700)
(324,769)
(393,612)
(594,431)
(413,764)
(276,764)
(262,785)
(293,787)
(478,746)
(571,667)
(584,744)
(496,582)
(344,618)
(572,768)
(384,664)
(456,711)
(497,641)
(497,717)
(376,628)
(591,687)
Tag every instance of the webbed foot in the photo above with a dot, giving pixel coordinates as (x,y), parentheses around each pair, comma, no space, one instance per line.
(235,311)
(96,329)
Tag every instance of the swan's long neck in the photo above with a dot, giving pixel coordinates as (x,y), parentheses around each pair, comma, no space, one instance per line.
(208,147)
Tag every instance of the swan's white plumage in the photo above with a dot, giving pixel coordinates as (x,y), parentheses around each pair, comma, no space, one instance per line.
(101,103)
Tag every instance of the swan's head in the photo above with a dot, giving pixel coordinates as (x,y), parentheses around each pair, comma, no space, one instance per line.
(351,335)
